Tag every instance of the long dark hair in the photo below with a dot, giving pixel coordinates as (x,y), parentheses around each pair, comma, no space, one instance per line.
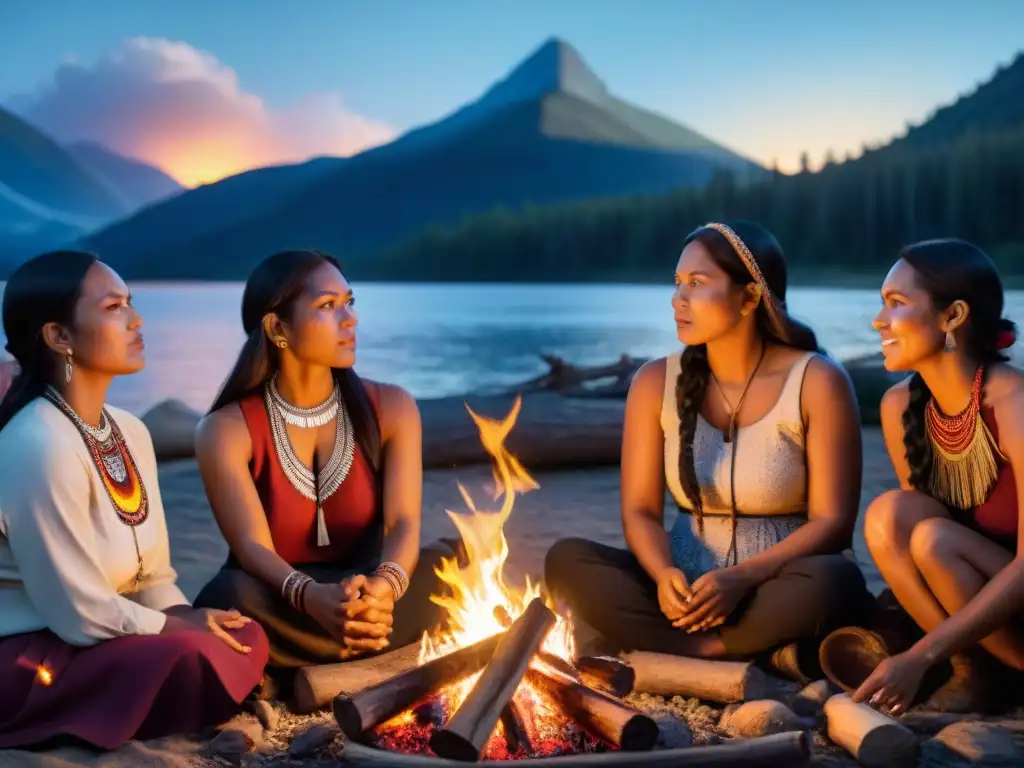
(45,289)
(274,286)
(694,371)
(952,270)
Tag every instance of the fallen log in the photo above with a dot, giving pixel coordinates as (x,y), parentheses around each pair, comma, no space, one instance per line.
(876,741)
(358,712)
(724,682)
(608,674)
(602,716)
(467,732)
(316,686)
(517,735)
(783,749)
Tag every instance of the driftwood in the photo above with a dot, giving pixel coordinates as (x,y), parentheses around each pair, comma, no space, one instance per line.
(466,734)
(784,749)
(597,713)
(724,682)
(608,674)
(316,686)
(572,379)
(360,711)
(876,741)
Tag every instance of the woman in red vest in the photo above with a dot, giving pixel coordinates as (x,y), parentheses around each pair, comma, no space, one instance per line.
(315,478)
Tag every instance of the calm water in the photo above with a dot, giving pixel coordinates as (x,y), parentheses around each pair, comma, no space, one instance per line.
(448,339)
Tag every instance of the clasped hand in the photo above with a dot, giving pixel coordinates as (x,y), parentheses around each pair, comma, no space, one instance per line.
(358,612)
(705,604)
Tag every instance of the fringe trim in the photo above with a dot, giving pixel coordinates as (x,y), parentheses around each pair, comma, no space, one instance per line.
(322,539)
(964,480)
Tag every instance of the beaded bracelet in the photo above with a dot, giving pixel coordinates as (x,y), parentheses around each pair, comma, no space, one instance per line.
(395,576)
(294,589)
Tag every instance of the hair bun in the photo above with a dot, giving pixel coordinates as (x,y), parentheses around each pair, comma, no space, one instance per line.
(1007,336)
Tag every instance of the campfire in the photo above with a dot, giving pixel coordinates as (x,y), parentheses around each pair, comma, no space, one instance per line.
(501,681)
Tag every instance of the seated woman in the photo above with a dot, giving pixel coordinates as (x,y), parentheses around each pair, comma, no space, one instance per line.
(757,437)
(948,542)
(315,478)
(97,642)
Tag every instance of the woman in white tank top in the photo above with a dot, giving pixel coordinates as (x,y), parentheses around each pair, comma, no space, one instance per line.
(756,436)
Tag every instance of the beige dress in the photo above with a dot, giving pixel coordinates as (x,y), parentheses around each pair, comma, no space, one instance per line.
(770,480)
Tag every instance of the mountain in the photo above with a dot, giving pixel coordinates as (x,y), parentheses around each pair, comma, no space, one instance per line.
(139,183)
(548,132)
(46,195)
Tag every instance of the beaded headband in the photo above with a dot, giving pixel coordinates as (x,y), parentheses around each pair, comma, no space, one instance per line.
(771,304)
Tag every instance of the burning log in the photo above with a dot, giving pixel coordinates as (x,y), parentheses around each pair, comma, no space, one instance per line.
(789,749)
(469,729)
(607,674)
(724,682)
(516,734)
(316,686)
(601,715)
(872,738)
(359,712)
(555,663)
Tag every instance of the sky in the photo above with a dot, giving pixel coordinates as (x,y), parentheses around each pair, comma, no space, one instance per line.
(207,88)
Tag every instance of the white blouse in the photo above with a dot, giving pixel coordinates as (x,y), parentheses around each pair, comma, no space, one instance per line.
(67,562)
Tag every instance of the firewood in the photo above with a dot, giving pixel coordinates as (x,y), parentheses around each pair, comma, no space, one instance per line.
(724,682)
(473,723)
(517,736)
(875,740)
(542,657)
(316,686)
(784,749)
(359,712)
(601,715)
(608,674)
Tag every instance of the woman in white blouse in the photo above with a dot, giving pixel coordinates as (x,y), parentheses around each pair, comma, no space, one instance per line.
(97,642)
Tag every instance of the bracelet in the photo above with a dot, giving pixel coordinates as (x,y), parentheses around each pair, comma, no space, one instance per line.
(294,590)
(395,576)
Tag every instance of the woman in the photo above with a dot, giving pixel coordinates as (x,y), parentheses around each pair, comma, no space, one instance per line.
(948,541)
(315,478)
(757,437)
(97,642)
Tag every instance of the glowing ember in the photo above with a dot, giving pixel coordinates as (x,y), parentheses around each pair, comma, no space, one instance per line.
(44,675)
(480,599)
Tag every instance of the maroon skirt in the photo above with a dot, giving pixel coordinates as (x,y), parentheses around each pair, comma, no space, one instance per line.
(134,687)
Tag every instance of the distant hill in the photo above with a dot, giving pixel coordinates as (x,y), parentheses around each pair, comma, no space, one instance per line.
(138,183)
(46,194)
(548,132)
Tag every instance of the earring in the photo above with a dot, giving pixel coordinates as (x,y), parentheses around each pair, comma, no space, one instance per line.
(950,342)
(282,343)
(68,368)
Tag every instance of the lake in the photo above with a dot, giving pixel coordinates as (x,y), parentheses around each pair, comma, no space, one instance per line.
(443,339)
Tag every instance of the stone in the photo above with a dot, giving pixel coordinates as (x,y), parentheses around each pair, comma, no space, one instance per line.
(267,715)
(811,699)
(673,731)
(981,743)
(760,718)
(313,739)
(231,744)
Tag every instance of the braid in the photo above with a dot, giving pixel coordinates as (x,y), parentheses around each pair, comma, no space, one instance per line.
(690,387)
(915,437)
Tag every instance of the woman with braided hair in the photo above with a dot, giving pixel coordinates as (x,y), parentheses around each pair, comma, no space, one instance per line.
(756,435)
(948,541)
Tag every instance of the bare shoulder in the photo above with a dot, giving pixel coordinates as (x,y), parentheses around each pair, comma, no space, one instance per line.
(825,376)
(895,402)
(223,432)
(1004,393)
(395,404)
(649,381)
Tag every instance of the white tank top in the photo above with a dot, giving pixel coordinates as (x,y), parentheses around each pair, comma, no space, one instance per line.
(771,466)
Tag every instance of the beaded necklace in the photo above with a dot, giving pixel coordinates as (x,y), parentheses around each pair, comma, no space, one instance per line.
(964,452)
(116,467)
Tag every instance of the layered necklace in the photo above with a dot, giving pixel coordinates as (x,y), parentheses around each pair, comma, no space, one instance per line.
(116,467)
(964,467)
(315,486)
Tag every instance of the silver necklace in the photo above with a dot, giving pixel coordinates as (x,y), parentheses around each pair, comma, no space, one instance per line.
(100,434)
(304,418)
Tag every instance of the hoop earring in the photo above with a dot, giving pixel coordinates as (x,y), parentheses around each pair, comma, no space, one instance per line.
(950,342)
(68,367)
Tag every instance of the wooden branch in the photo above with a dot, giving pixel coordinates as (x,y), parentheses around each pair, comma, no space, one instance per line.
(359,712)
(517,735)
(724,682)
(876,741)
(608,674)
(541,657)
(316,686)
(469,729)
(784,749)
(600,715)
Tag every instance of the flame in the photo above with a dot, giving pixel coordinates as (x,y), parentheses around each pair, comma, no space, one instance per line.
(480,593)
(44,675)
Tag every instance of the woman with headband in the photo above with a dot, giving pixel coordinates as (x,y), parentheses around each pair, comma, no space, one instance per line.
(315,479)
(948,541)
(756,434)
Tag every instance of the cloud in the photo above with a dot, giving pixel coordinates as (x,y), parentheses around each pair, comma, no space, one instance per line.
(181,109)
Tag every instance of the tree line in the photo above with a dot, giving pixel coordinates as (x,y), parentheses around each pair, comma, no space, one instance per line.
(845,217)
